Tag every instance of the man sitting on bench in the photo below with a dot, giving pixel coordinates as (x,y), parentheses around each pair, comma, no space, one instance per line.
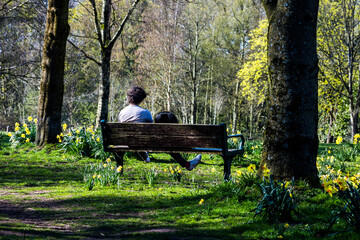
(134,113)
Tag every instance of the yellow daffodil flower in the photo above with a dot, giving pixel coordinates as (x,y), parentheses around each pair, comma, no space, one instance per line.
(251,168)
(339,140)
(201,201)
(30,119)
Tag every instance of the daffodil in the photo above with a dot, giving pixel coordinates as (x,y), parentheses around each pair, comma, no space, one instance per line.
(251,168)
(119,169)
(27,140)
(330,189)
(17,124)
(201,201)
(35,120)
(23,135)
(17,129)
(64,126)
(30,119)
(24,125)
(339,140)
(342,184)
(266,171)
(9,134)
(105,165)
(108,160)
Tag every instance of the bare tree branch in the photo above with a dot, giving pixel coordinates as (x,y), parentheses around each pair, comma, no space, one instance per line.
(84,53)
(97,24)
(126,18)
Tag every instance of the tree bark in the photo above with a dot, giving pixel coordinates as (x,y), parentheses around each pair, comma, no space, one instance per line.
(291,140)
(52,77)
(103,30)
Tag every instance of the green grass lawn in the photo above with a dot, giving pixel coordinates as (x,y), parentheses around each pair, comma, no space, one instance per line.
(43,196)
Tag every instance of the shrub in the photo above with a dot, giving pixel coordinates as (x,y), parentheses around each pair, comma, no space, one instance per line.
(277,203)
(351,212)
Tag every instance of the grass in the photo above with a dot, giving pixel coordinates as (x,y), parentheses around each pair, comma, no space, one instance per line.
(43,196)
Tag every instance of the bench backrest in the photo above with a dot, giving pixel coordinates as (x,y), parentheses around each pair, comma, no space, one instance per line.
(163,136)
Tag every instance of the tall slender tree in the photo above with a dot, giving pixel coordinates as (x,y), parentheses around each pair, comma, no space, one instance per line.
(291,140)
(52,77)
(106,37)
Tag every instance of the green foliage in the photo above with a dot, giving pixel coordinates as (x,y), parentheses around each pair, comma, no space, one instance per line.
(277,203)
(248,179)
(83,142)
(150,176)
(24,133)
(175,173)
(228,189)
(351,211)
(346,152)
(101,174)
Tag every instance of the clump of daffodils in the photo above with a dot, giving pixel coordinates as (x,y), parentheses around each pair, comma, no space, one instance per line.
(102,174)
(174,172)
(23,133)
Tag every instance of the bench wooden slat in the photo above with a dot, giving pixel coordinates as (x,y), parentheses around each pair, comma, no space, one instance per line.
(165,129)
(151,141)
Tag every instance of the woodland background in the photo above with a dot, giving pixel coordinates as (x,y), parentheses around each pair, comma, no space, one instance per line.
(204,60)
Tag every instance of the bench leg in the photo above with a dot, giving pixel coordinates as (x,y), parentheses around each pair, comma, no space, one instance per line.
(227,167)
(119,157)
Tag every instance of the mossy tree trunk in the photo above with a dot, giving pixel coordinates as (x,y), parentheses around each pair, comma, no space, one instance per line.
(291,140)
(52,77)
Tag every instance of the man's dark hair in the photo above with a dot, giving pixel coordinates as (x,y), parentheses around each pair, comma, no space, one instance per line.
(136,95)
(166,117)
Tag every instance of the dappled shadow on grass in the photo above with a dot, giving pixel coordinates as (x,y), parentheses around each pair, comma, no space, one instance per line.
(114,217)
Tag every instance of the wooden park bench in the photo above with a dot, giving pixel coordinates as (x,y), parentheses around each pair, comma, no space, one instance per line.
(170,138)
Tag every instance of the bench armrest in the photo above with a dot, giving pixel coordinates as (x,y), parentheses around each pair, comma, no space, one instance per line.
(242,144)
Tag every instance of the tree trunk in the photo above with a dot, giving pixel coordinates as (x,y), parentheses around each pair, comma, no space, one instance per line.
(354,120)
(291,141)
(52,77)
(331,124)
(104,88)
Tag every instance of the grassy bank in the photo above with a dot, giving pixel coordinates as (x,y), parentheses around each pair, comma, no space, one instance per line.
(43,196)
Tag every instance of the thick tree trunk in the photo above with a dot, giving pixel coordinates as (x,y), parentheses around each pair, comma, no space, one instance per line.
(291,141)
(52,77)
